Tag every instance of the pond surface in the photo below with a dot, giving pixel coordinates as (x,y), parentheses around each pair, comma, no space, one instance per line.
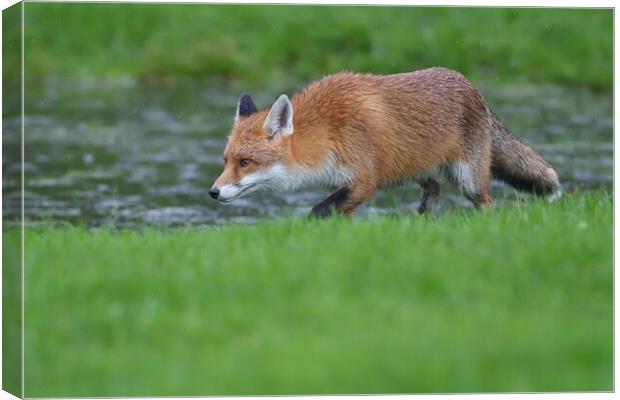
(121,154)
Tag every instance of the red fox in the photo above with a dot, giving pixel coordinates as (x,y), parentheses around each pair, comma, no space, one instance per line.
(361,133)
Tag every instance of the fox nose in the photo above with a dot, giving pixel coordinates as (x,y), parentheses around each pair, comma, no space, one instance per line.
(214,192)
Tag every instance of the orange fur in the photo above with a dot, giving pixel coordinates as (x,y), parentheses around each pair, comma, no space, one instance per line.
(384,130)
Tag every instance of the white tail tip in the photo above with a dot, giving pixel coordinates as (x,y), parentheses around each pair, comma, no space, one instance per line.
(554,195)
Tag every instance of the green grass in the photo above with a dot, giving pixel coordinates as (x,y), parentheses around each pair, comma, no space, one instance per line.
(260,45)
(514,299)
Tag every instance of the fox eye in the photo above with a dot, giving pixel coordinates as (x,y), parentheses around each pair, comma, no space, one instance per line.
(244,162)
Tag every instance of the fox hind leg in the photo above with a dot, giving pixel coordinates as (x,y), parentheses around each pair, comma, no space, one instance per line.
(473,176)
(430,196)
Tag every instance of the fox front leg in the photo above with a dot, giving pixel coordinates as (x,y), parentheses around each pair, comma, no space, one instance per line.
(333,203)
(344,200)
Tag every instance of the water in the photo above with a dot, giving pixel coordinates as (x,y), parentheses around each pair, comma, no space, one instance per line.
(119,153)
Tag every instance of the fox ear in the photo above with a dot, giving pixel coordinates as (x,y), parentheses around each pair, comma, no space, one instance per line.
(245,106)
(279,121)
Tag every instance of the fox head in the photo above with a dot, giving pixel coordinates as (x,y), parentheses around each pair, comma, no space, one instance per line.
(257,151)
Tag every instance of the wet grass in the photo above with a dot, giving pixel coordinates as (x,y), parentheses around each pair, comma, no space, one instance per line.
(263,45)
(514,299)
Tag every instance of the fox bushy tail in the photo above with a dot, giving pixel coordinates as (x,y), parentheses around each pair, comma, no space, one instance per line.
(519,165)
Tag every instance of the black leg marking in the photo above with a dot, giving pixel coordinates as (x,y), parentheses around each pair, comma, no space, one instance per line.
(331,204)
(430,196)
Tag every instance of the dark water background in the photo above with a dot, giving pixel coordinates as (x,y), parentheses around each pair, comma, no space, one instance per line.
(119,153)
